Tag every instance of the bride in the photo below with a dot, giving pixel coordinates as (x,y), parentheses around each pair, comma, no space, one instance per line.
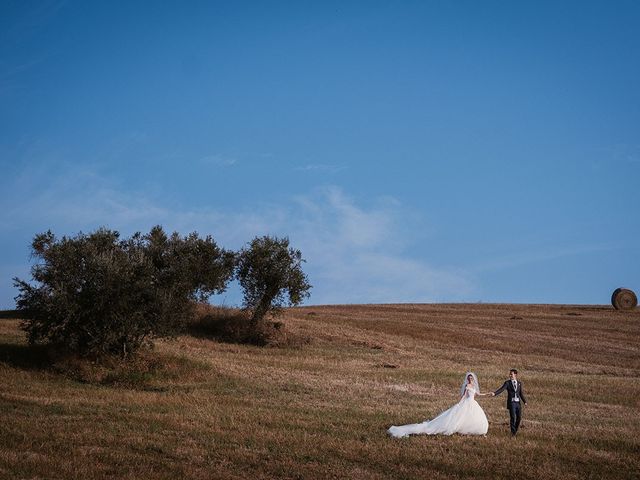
(466,416)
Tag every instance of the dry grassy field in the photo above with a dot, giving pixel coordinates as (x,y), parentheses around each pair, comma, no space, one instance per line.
(320,409)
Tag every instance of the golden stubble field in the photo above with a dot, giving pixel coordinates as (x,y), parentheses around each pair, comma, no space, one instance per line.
(320,410)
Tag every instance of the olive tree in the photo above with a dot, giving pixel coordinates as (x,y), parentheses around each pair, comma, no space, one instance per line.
(97,294)
(270,274)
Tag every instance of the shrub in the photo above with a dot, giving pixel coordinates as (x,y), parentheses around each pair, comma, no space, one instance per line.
(234,325)
(97,294)
(270,274)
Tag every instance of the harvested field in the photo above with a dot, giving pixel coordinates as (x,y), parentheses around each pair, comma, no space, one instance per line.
(320,409)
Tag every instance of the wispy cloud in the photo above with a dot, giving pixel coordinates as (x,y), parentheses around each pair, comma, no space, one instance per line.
(73,200)
(33,18)
(618,156)
(10,74)
(354,253)
(20,29)
(321,168)
(358,254)
(7,71)
(542,254)
(218,160)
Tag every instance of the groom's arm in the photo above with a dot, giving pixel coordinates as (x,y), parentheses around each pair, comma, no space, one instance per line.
(522,395)
(499,391)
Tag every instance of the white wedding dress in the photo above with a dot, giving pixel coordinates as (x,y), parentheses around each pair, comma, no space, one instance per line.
(465,417)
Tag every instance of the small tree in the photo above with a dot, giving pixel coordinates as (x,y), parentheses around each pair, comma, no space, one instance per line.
(271,276)
(97,294)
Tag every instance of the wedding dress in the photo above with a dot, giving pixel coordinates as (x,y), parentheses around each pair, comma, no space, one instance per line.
(465,417)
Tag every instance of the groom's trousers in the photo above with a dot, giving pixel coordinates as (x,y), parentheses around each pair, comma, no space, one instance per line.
(515,415)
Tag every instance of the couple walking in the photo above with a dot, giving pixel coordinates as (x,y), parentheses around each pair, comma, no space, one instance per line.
(467,416)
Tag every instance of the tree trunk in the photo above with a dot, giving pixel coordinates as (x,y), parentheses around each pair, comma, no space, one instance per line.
(261,310)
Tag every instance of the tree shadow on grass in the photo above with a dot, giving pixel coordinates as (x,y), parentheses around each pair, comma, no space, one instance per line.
(26,357)
(146,371)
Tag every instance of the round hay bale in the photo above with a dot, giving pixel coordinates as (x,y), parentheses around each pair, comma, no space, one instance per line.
(613,296)
(624,299)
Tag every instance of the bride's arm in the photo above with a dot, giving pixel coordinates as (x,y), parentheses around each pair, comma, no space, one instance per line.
(463,394)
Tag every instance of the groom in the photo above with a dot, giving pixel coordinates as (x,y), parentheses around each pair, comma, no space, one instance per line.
(515,396)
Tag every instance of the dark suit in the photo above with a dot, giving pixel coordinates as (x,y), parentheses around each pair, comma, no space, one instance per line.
(515,411)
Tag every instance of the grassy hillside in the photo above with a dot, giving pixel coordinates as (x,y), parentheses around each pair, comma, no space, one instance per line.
(216,410)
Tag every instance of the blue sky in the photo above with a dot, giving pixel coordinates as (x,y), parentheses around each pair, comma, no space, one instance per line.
(414,151)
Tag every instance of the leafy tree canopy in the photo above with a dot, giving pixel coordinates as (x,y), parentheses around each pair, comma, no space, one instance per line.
(97,293)
(270,274)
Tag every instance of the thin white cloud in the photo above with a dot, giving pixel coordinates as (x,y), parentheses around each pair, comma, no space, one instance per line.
(20,29)
(218,160)
(354,254)
(527,257)
(78,199)
(34,18)
(622,155)
(358,254)
(321,168)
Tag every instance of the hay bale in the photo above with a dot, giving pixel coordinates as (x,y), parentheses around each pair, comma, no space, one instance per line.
(624,299)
